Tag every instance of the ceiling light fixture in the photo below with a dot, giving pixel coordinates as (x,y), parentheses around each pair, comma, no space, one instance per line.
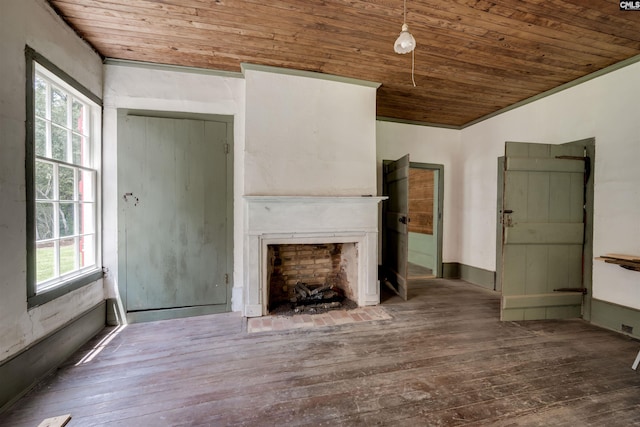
(406,43)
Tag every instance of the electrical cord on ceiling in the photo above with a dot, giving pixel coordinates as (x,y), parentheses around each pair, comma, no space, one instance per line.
(413,65)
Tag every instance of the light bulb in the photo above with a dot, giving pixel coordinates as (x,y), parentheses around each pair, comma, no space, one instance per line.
(405,42)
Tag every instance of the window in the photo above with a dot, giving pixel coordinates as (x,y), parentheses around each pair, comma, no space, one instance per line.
(63,170)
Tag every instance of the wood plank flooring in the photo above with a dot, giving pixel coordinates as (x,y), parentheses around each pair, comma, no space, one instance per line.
(416,272)
(443,359)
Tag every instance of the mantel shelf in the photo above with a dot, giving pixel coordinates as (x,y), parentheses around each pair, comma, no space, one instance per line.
(629,262)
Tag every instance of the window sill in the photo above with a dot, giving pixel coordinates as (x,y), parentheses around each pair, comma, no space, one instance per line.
(63,289)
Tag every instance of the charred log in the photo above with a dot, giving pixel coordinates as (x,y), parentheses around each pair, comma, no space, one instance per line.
(310,295)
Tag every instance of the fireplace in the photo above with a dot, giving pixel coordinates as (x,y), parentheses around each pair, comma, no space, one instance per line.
(307,224)
(311,278)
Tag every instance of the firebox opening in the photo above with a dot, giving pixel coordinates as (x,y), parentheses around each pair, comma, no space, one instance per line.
(311,278)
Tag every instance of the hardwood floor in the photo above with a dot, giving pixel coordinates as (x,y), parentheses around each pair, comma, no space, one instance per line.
(416,272)
(443,359)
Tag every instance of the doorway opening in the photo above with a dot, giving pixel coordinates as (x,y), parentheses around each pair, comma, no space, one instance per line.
(412,222)
(425,259)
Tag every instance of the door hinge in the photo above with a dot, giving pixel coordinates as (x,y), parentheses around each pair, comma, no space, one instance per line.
(226,148)
(226,279)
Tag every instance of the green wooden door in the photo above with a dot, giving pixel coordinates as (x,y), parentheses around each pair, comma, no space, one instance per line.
(542,220)
(396,243)
(173,181)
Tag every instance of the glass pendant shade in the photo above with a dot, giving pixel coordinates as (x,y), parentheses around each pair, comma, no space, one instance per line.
(405,42)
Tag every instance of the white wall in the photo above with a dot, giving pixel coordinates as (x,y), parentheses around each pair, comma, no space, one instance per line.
(309,136)
(606,108)
(33,23)
(157,89)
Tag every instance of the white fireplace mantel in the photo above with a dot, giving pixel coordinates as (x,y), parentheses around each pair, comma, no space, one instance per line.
(309,219)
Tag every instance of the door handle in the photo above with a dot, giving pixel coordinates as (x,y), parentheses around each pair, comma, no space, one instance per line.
(404,219)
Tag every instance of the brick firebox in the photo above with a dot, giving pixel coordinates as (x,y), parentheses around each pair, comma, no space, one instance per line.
(333,264)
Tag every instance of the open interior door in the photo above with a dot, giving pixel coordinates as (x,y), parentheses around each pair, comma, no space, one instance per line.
(395,252)
(542,225)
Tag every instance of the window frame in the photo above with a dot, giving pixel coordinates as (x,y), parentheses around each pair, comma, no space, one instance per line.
(69,284)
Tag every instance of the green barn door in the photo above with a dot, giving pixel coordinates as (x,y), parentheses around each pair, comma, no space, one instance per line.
(172,177)
(395,249)
(542,219)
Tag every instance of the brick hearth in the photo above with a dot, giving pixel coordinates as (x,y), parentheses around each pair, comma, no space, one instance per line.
(331,318)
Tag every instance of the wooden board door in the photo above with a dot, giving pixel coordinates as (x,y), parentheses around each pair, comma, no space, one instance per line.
(542,220)
(396,219)
(174,196)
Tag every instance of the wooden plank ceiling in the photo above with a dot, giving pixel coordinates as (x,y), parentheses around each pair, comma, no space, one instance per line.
(473,57)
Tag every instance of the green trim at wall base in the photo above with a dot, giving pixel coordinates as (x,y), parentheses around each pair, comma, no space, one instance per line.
(612,316)
(23,371)
(450,270)
(174,313)
(475,275)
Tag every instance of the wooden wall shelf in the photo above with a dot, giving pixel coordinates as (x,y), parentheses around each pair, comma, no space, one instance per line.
(630,262)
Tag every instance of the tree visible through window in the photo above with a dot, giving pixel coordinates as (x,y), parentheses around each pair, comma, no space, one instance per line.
(65,179)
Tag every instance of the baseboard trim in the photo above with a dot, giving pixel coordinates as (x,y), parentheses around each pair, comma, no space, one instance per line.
(468,273)
(174,313)
(478,276)
(613,316)
(450,270)
(23,371)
